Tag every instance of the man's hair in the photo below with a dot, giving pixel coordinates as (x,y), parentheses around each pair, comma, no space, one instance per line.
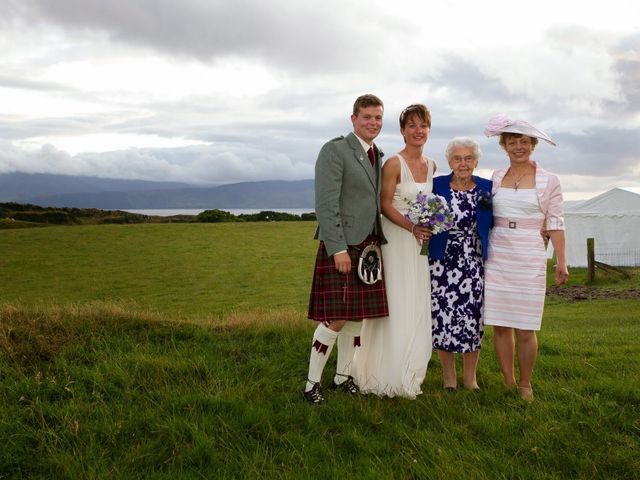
(364,101)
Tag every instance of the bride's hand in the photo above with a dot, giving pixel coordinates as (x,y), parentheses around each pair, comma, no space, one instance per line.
(421,234)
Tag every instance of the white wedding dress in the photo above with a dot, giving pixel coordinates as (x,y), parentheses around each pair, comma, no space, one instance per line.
(395,350)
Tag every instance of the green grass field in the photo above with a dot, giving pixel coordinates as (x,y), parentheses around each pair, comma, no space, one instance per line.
(180,351)
(187,270)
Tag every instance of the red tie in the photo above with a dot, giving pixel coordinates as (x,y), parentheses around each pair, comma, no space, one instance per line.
(371,158)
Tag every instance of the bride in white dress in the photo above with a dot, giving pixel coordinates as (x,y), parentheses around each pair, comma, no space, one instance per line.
(395,351)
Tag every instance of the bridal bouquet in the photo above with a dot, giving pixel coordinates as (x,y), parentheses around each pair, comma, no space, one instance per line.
(431,211)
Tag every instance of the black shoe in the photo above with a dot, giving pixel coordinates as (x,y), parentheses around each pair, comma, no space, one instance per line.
(314,396)
(348,386)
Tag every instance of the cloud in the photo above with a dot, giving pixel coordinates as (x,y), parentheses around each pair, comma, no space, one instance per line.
(627,68)
(255,88)
(46,159)
(293,35)
(467,80)
(205,164)
(19,82)
(604,151)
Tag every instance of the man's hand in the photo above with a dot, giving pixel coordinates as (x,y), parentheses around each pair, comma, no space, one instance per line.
(343,262)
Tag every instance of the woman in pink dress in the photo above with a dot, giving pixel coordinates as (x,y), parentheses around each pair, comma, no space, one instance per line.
(526,200)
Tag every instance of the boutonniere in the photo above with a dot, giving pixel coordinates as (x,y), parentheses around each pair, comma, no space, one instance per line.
(484,200)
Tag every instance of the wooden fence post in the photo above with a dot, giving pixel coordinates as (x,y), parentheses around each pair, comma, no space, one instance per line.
(591,257)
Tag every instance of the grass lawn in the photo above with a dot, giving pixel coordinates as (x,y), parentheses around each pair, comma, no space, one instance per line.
(180,351)
(186,270)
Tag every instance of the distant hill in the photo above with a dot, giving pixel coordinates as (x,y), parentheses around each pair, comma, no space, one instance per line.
(90,192)
(21,187)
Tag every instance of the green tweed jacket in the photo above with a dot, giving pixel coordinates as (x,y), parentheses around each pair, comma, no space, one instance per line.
(347,194)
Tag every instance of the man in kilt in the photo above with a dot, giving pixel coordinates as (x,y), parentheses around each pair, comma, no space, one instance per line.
(347,204)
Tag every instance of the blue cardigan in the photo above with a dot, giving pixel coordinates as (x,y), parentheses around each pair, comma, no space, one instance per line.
(484,216)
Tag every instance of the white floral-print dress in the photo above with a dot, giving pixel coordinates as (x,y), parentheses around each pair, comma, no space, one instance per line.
(457,281)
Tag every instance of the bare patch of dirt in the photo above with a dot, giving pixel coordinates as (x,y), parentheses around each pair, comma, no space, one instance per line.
(585,292)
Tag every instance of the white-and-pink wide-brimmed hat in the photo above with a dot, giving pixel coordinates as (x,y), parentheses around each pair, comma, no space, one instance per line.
(503,124)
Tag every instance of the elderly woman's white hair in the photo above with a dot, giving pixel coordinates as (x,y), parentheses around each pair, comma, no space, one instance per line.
(463,142)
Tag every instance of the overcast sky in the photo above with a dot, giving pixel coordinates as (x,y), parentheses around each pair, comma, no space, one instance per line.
(221,91)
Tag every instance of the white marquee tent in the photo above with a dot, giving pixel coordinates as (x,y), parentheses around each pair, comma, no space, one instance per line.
(612,219)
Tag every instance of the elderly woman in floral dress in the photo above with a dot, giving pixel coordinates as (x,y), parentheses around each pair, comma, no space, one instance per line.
(456,264)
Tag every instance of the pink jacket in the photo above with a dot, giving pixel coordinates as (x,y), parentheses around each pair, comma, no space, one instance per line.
(549,195)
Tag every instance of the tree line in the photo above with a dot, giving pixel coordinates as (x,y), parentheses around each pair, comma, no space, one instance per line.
(17,214)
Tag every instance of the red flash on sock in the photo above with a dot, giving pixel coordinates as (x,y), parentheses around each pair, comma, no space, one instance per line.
(356,341)
(320,347)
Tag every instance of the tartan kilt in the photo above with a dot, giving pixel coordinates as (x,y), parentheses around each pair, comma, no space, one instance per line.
(337,296)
